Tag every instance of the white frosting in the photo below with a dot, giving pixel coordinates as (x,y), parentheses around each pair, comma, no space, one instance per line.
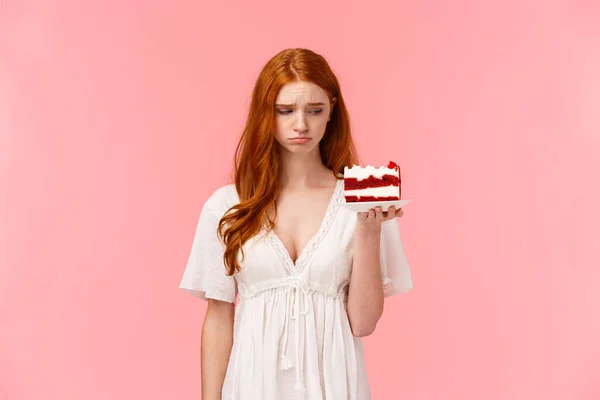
(384,191)
(361,173)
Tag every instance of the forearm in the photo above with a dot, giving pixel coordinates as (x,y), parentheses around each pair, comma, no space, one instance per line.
(365,293)
(217,341)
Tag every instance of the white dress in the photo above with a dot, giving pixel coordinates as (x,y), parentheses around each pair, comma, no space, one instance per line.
(292,338)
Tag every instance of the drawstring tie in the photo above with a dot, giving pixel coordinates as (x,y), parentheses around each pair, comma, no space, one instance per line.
(293,312)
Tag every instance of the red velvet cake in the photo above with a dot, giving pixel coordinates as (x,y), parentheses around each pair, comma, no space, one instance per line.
(362,184)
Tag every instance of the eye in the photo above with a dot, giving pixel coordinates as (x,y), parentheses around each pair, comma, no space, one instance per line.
(316,112)
(284,111)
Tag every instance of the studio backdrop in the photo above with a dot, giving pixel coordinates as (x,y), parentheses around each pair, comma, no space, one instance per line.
(119,118)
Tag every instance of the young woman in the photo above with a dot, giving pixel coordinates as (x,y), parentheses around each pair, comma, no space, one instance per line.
(311,276)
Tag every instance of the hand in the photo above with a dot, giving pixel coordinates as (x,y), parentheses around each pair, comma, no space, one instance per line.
(376,215)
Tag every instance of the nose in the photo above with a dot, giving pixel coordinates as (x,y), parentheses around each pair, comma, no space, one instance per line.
(300,125)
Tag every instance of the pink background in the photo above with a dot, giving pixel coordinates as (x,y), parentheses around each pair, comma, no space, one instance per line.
(118,119)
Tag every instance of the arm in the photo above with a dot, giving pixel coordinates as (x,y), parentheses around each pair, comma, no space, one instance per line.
(217,340)
(365,292)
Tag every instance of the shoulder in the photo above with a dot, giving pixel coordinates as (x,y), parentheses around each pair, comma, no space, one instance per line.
(222,199)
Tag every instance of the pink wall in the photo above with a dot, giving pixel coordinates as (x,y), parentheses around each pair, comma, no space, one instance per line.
(112,115)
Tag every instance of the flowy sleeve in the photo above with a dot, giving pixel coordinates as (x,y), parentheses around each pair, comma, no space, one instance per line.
(205,273)
(395,271)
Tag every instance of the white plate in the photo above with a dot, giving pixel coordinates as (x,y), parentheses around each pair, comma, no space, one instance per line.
(368,205)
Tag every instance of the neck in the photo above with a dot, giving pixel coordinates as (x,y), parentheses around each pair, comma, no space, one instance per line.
(299,170)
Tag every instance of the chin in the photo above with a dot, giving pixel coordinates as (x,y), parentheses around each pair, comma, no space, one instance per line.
(307,148)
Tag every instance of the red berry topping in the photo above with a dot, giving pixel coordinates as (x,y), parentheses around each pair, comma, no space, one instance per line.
(393,165)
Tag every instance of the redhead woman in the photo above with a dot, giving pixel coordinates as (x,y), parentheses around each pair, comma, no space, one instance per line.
(293,281)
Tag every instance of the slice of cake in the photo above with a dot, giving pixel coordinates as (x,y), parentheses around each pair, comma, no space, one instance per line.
(362,184)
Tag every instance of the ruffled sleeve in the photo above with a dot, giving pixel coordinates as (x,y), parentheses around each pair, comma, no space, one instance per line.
(395,271)
(205,273)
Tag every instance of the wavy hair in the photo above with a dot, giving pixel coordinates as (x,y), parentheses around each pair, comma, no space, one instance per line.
(256,165)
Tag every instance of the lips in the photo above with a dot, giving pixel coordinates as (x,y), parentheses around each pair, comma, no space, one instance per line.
(299,140)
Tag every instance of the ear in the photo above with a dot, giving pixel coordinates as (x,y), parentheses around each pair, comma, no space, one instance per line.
(333,100)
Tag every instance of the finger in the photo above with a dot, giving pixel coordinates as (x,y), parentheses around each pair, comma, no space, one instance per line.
(399,213)
(378,214)
(371,215)
(390,213)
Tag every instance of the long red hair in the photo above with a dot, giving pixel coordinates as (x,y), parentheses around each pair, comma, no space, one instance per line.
(256,165)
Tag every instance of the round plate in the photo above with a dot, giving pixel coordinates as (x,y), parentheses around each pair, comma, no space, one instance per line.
(368,205)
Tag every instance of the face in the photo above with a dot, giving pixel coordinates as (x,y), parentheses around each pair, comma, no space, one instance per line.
(302,110)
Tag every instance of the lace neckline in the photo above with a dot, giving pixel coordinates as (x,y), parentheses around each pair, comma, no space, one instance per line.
(306,253)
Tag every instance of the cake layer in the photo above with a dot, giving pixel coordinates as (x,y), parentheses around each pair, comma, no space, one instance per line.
(384,191)
(370,182)
(361,173)
(354,199)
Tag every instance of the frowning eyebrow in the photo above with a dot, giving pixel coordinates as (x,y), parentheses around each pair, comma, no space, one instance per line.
(308,104)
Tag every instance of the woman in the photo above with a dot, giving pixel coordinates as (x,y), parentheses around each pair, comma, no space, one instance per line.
(311,276)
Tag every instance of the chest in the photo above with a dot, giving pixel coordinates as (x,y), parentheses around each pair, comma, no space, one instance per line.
(299,218)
